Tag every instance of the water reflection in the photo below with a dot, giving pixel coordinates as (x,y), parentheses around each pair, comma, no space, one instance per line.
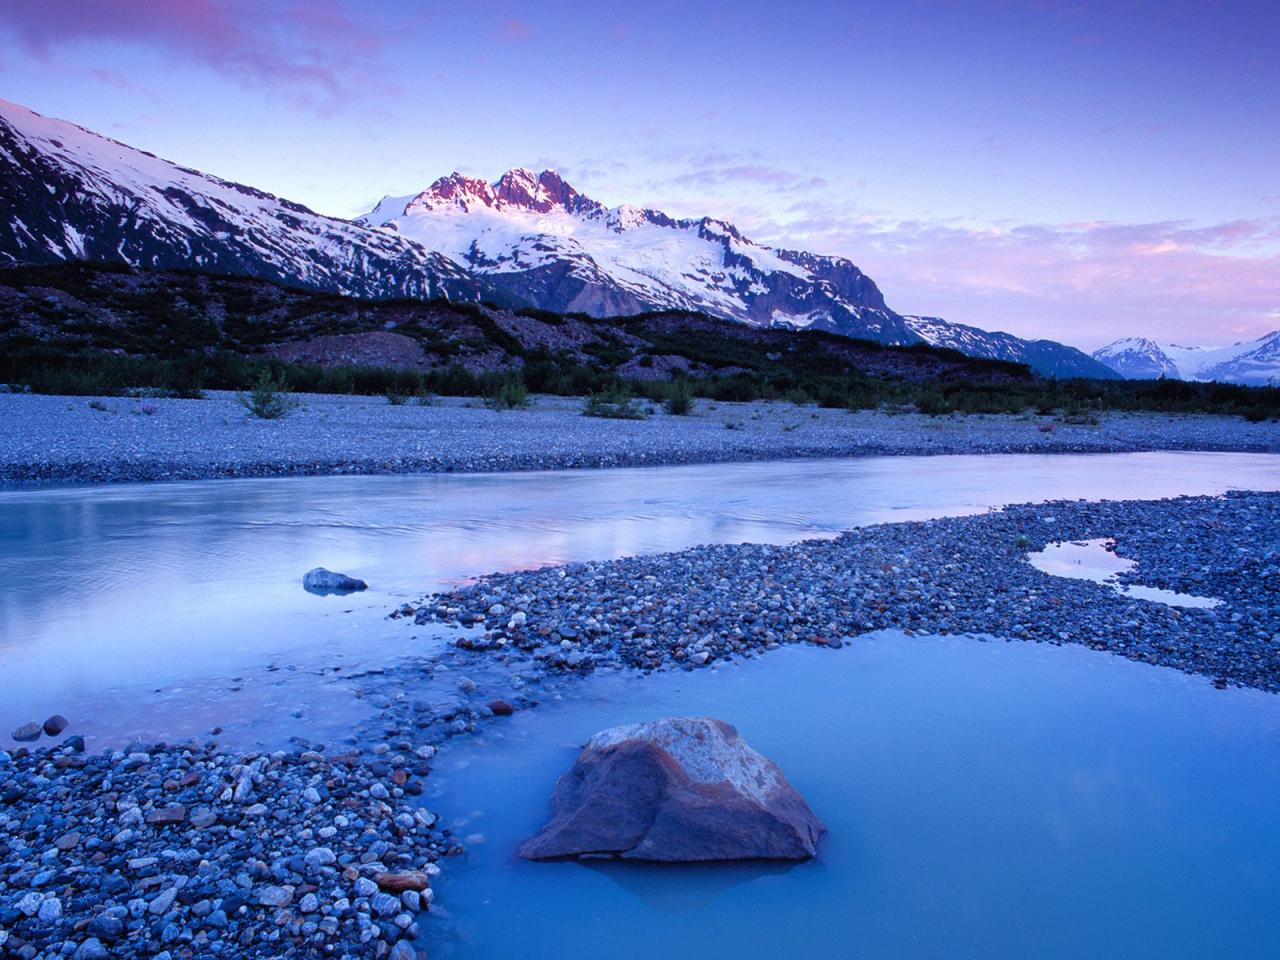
(130,588)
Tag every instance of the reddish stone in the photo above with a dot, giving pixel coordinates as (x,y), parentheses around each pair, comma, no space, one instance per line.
(501,708)
(173,813)
(400,882)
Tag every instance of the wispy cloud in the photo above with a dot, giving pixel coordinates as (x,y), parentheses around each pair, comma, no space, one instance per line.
(515,31)
(314,53)
(1085,283)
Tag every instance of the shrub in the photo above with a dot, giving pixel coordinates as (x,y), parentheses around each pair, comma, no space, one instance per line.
(268,398)
(680,401)
(511,394)
(396,397)
(614,403)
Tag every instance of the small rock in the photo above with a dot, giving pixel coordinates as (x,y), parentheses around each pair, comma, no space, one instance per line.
(106,927)
(163,903)
(170,814)
(91,949)
(320,857)
(27,732)
(324,581)
(55,725)
(276,896)
(50,910)
(501,708)
(68,841)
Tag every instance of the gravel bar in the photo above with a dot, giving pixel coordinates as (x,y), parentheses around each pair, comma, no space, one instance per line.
(80,439)
(966,575)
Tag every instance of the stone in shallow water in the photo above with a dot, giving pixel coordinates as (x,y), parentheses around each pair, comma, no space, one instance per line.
(321,580)
(675,790)
(55,725)
(27,732)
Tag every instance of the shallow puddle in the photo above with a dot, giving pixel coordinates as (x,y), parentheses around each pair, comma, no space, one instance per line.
(1096,560)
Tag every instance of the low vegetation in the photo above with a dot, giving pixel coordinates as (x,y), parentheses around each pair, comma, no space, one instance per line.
(46,369)
(269,397)
(113,331)
(615,403)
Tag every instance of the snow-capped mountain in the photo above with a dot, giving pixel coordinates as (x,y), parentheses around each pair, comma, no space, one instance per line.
(538,240)
(1254,362)
(69,194)
(1042,355)
(524,240)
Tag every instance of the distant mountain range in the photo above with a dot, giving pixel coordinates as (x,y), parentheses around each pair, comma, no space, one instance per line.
(525,240)
(1254,362)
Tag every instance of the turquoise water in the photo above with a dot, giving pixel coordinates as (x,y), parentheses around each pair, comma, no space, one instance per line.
(986,800)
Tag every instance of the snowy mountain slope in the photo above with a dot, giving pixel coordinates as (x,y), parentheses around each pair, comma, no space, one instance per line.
(1137,358)
(67,193)
(524,240)
(539,240)
(1255,362)
(1045,356)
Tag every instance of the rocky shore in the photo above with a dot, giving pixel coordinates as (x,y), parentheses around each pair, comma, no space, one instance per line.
(79,439)
(961,575)
(185,851)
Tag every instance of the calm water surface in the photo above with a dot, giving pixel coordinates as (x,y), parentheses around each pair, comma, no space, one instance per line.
(145,606)
(984,800)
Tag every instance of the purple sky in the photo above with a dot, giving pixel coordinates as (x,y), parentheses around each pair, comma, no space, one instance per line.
(1074,170)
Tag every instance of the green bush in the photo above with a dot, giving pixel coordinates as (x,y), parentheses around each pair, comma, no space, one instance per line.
(679,402)
(269,398)
(614,403)
(510,394)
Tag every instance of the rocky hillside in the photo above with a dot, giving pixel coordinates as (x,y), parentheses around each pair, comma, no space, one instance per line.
(176,313)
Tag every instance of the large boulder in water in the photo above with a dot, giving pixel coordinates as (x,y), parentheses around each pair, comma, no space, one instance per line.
(321,580)
(681,789)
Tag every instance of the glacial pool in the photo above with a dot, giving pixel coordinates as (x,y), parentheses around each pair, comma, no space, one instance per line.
(983,799)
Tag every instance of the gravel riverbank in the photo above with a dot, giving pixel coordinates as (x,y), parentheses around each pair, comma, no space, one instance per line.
(122,440)
(962,575)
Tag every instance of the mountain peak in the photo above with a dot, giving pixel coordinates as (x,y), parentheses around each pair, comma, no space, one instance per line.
(518,189)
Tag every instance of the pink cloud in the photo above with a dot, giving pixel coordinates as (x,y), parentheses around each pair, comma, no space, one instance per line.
(515,31)
(313,52)
(1082,283)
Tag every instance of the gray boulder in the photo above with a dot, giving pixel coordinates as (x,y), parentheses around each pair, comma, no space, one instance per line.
(675,790)
(27,732)
(321,580)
